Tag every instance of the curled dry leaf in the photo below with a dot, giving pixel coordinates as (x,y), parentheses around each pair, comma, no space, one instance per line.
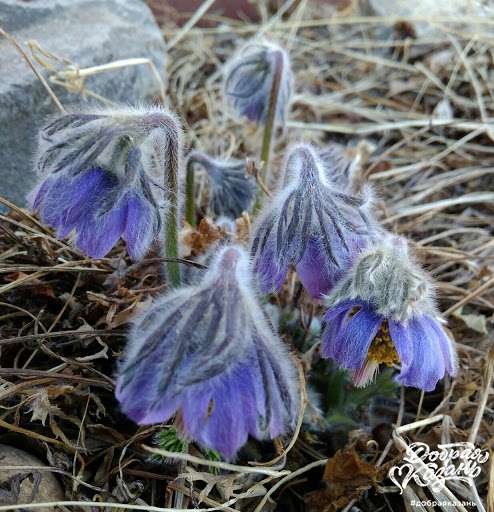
(346,476)
(197,241)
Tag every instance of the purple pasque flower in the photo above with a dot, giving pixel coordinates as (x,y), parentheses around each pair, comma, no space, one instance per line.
(102,177)
(100,208)
(249,77)
(311,223)
(383,312)
(231,190)
(208,354)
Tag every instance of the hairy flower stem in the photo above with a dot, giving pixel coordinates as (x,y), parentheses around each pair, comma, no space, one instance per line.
(190,207)
(190,210)
(270,125)
(171,223)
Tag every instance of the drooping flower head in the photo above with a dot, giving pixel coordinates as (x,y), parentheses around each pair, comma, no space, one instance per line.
(102,176)
(383,311)
(208,354)
(231,190)
(311,223)
(249,78)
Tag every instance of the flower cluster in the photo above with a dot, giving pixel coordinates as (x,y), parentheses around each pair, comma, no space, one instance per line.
(381,306)
(208,354)
(101,177)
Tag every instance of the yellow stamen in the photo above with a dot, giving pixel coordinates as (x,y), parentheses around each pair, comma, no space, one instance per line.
(382,349)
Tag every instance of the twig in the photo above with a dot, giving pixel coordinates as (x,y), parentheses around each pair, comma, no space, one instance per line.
(469,297)
(74,73)
(371,128)
(18,372)
(418,424)
(215,464)
(287,478)
(252,169)
(190,23)
(489,372)
(473,198)
(399,419)
(33,68)
(58,334)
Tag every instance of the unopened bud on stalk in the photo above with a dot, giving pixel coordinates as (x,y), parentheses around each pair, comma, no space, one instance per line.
(231,190)
(249,77)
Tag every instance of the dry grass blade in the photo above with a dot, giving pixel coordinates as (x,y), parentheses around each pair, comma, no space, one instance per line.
(215,464)
(33,68)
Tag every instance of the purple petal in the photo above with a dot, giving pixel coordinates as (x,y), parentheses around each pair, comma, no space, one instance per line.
(136,401)
(404,345)
(222,412)
(317,273)
(139,227)
(445,344)
(69,199)
(256,410)
(334,321)
(426,367)
(318,276)
(277,411)
(97,234)
(349,340)
(269,274)
(138,384)
(223,427)
(254,109)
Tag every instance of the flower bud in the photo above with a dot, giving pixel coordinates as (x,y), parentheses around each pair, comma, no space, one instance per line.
(249,77)
(231,190)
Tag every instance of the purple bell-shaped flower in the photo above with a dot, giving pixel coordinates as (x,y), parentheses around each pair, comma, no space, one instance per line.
(383,312)
(311,223)
(101,177)
(208,354)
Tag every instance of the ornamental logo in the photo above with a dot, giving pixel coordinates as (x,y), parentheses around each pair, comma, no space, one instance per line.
(433,468)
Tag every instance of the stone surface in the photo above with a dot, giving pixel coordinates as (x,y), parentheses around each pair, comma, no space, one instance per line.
(462,9)
(22,486)
(89,33)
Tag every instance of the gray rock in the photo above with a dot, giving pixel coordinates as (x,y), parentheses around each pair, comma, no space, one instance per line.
(88,33)
(24,485)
